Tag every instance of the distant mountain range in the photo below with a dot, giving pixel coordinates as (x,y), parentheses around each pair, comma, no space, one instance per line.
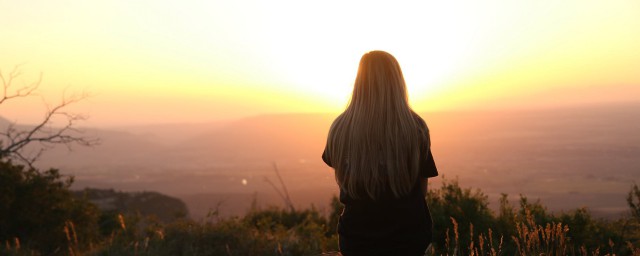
(567,157)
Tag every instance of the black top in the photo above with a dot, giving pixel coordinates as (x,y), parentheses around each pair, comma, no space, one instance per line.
(388,225)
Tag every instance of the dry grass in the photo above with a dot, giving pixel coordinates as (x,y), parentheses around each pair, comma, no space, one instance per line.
(530,239)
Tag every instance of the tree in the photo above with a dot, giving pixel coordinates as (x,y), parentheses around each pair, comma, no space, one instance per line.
(15,139)
(38,210)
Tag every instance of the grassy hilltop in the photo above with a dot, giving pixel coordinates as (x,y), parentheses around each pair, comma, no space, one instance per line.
(41,216)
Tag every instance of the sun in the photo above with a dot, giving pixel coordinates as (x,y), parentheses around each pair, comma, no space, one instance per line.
(318,58)
(327,75)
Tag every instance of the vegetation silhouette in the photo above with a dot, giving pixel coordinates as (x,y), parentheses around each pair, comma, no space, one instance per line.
(37,212)
(41,216)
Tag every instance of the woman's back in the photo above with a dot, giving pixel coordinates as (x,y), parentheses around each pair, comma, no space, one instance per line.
(388,225)
(380,151)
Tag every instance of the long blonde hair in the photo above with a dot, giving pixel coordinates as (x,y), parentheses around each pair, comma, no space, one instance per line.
(374,144)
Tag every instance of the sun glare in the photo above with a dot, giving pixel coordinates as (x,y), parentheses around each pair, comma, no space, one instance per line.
(248,57)
(319,57)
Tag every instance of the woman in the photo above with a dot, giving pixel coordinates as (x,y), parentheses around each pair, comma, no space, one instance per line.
(380,150)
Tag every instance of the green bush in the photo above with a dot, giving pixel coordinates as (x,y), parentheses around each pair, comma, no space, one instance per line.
(38,211)
(464,225)
(454,210)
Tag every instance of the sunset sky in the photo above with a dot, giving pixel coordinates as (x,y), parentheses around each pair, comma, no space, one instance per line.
(200,61)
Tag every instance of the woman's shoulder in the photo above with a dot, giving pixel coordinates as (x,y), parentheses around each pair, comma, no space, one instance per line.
(336,122)
(423,130)
(420,121)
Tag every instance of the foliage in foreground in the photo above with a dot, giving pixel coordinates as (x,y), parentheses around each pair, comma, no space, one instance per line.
(37,211)
(470,227)
(41,217)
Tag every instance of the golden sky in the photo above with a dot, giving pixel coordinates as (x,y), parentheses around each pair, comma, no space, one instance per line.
(199,61)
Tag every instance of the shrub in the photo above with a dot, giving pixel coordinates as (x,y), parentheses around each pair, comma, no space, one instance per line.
(38,210)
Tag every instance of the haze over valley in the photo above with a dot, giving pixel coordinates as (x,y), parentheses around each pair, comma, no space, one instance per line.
(568,158)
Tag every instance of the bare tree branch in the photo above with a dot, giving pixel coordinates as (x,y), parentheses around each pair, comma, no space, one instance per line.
(24,91)
(284,187)
(14,140)
(284,194)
